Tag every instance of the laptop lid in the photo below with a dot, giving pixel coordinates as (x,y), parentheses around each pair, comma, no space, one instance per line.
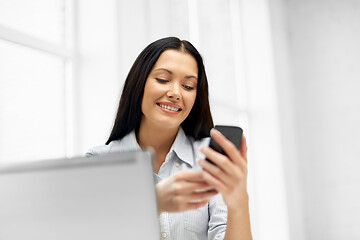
(102,197)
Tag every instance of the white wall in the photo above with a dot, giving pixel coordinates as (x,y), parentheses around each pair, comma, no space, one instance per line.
(286,110)
(265,147)
(320,40)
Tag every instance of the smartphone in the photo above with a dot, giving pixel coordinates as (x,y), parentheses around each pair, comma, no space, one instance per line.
(233,133)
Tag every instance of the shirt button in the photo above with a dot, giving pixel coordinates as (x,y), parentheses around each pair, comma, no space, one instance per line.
(177,164)
(170,155)
(163,235)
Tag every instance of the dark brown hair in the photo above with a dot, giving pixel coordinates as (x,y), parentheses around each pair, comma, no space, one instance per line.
(199,122)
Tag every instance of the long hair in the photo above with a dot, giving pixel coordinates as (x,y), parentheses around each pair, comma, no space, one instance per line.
(199,121)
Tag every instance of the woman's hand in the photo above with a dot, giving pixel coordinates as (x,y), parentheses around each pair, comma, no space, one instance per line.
(229,174)
(185,190)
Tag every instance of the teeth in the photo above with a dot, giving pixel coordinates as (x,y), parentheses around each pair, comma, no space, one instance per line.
(169,108)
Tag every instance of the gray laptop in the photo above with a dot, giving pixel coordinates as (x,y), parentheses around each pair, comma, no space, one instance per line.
(104,197)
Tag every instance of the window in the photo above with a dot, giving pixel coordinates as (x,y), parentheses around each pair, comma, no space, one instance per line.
(36,58)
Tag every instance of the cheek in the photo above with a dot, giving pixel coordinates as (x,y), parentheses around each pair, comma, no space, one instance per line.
(148,94)
(190,100)
(146,99)
(153,92)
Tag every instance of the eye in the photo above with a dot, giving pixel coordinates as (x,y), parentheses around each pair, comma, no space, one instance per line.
(188,87)
(161,80)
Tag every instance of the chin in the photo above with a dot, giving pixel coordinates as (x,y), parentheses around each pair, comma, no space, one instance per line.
(169,126)
(166,124)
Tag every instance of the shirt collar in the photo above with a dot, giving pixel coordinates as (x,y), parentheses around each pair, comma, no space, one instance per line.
(182,146)
(128,143)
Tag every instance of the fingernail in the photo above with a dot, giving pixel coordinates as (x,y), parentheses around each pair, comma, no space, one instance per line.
(211,130)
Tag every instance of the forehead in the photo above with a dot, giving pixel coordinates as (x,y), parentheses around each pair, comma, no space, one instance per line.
(177,62)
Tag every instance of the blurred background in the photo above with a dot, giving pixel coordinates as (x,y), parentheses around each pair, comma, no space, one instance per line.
(286,71)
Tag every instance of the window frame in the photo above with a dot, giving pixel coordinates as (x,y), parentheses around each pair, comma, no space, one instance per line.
(68,53)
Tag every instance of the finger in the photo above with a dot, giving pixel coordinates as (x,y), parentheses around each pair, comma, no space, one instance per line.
(191,176)
(244,148)
(220,161)
(200,196)
(230,180)
(182,204)
(195,205)
(185,188)
(218,185)
(225,177)
(229,148)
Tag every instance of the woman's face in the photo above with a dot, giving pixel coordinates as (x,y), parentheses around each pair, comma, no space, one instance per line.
(170,90)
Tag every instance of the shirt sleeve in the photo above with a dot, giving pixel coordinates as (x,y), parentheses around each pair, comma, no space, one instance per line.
(90,153)
(217,218)
(97,150)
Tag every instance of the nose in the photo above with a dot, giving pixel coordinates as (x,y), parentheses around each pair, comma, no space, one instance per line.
(174,93)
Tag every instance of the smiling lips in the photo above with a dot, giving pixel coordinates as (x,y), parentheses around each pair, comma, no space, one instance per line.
(169,107)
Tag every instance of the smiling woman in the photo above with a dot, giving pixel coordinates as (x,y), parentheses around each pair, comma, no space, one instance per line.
(169,93)
(165,105)
(186,69)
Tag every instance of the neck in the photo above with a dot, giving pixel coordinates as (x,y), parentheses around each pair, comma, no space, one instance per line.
(158,138)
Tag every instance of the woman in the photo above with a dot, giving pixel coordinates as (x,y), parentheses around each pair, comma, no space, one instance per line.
(164,105)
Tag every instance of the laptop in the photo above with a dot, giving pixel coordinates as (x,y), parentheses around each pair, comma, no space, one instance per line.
(103,197)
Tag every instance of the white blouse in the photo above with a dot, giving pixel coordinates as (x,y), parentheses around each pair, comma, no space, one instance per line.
(207,222)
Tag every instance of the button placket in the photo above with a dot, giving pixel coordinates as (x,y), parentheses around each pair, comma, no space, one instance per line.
(165,226)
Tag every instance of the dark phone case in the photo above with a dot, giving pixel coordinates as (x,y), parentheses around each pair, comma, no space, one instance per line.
(233,133)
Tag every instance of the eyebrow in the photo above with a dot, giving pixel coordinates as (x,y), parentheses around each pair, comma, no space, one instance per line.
(170,72)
